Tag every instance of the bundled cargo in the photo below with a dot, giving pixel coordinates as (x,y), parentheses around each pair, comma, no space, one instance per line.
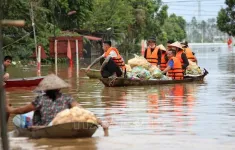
(139,61)
(140,72)
(157,74)
(128,68)
(193,69)
(140,68)
(74,114)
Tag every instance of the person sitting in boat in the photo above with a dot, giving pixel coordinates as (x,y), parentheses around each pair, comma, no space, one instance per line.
(189,53)
(169,42)
(6,63)
(113,65)
(163,57)
(152,54)
(180,54)
(174,66)
(48,105)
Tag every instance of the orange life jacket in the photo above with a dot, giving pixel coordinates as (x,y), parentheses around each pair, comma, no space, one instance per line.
(152,57)
(178,55)
(163,62)
(189,54)
(176,73)
(118,60)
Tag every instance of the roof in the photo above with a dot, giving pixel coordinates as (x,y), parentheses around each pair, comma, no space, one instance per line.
(93,38)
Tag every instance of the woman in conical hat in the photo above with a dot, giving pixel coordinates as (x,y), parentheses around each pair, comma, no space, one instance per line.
(180,54)
(48,105)
(164,58)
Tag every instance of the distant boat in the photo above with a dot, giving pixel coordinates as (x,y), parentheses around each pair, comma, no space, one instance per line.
(23,82)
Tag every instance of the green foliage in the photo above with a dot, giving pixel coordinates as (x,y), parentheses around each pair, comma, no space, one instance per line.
(129,22)
(174,28)
(226,18)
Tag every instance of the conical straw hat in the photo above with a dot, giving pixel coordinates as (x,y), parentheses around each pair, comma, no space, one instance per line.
(51,82)
(161,47)
(176,44)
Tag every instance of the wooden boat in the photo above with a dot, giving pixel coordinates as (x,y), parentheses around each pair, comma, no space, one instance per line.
(93,73)
(23,82)
(66,130)
(117,82)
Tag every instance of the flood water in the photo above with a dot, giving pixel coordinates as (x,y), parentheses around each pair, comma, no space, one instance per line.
(181,116)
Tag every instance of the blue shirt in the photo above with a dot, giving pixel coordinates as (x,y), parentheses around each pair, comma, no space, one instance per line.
(171,64)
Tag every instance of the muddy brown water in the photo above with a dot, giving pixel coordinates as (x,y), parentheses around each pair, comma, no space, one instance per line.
(181,116)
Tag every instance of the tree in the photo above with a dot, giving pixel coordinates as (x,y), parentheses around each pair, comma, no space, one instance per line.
(226,18)
(174,28)
(48,14)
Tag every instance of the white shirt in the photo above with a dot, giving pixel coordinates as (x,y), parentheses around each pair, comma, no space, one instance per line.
(112,54)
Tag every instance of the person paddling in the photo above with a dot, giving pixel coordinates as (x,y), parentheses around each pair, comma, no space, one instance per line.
(113,65)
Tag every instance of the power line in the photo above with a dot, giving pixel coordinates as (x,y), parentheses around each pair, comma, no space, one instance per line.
(192,1)
(192,10)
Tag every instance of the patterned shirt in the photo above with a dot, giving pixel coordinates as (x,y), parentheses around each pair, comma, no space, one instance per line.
(46,109)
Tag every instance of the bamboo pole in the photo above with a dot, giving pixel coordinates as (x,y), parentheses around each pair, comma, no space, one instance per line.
(33,25)
(39,61)
(55,49)
(4,135)
(77,58)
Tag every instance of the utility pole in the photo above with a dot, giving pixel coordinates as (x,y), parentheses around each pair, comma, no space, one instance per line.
(199,18)
(34,30)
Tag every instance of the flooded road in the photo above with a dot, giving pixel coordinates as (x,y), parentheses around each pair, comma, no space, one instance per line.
(181,116)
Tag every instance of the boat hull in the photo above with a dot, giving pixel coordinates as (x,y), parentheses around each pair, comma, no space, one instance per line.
(23,82)
(117,82)
(66,130)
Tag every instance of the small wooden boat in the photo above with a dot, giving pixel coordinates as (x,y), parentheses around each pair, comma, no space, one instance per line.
(117,82)
(66,130)
(93,73)
(23,82)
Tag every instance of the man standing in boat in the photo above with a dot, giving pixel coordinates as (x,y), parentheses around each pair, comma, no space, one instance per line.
(152,53)
(113,64)
(6,63)
(174,66)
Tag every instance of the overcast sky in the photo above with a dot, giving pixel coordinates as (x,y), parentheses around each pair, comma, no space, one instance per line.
(189,8)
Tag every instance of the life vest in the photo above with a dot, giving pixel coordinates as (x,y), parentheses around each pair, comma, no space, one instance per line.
(118,60)
(189,54)
(176,73)
(178,55)
(163,62)
(152,57)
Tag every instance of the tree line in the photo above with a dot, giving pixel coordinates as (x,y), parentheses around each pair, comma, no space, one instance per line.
(126,22)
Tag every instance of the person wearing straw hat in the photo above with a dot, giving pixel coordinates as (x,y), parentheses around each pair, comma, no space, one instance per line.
(174,66)
(180,54)
(48,105)
(163,57)
(189,53)
(169,42)
(152,53)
